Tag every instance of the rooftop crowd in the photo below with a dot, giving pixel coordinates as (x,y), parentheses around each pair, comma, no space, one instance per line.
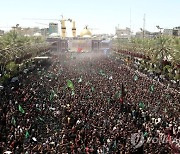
(87,103)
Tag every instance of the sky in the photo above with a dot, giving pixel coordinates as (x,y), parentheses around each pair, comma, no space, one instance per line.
(102,16)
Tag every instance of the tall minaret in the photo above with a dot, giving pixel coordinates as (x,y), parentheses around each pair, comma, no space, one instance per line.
(63,28)
(74,29)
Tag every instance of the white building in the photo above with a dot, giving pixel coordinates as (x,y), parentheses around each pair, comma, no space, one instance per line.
(176,31)
(123,33)
(168,32)
(1,32)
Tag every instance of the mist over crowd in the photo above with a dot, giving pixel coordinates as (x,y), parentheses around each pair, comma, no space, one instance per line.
(87,103)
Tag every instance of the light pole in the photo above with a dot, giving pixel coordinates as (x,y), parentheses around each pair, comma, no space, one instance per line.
(162,46)
(142,30)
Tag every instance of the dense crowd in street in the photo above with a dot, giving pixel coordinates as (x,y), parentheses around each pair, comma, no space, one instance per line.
(87,103)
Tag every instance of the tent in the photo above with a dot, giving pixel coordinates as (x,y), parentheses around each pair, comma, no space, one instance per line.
(14,79)
(1,87)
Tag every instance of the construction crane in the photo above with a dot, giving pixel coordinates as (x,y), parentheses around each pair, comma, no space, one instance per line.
(63,25)
(41,23)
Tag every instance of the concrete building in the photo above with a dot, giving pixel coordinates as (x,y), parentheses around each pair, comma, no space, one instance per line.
(28,31)
(79,44)
(168,32)
(123,33)
(176,31)
(146,34)
(1,32)
(172,32)
(53,28)
(58,44)
(45,32)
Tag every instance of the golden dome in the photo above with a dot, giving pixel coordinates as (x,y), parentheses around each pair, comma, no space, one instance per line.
(85,32)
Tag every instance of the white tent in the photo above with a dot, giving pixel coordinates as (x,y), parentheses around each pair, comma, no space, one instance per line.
(86,36)
(7,152)
(1,87)
(54,35)
(37,34)
(41,57)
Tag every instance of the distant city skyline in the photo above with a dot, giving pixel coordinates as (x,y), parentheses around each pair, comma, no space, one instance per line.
(102,15)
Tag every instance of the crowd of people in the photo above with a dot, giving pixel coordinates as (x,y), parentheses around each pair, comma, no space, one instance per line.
(87,103)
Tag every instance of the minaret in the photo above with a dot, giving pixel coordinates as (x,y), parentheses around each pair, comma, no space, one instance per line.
(63,28)
(74,29)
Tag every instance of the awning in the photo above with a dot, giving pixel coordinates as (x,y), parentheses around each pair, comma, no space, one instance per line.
(1,87)
(41,57)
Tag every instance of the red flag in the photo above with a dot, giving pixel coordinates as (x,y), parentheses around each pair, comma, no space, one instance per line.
(79,50)
(121,100)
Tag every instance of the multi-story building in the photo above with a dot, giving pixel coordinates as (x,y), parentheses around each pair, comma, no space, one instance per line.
(53,28)
(45,32)
(146,34)
(28,31)
(176,31)
(168,32)
(123,33)
(172,32)
(1,32)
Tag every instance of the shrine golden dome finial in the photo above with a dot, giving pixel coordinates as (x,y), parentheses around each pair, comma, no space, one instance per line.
(85,32)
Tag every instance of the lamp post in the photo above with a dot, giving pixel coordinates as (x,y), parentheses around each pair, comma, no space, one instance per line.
(142,30)
(162,46)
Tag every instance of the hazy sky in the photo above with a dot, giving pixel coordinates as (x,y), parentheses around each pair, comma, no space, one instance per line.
(102,15)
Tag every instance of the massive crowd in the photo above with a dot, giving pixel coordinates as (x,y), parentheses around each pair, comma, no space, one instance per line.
(87,103)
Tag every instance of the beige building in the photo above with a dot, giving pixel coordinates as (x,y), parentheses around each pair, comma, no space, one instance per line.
(1,32)
(123,33)
(45,32)
(146,34)
(168,32)
(176,31)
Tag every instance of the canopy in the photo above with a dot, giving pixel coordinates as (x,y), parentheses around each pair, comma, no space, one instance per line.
(7,152)
(14,79)
(41,58)
(1,87)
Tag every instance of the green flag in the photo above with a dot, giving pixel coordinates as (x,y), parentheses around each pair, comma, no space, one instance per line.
(73,93)
(167,96)
(108,99)
(80,80)
(145,134)
(117,95)
(27,134)
(141,105)
(70,84)
(13,121)
(52,95)
(152,88)
(92,88)
(40,118)
(135,78)
(21,109)
(101,72)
